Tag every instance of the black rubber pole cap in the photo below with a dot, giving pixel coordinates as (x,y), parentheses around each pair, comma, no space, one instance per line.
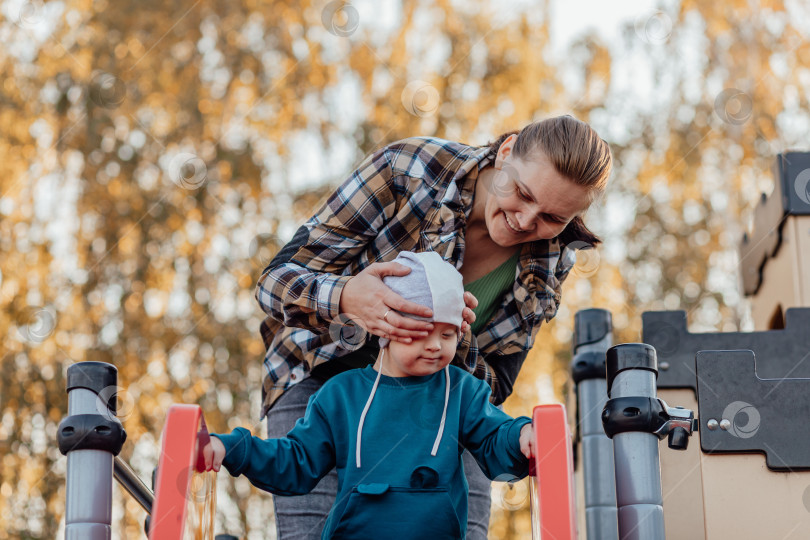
(588,365)
(591,326)
(630,356)
(94,376)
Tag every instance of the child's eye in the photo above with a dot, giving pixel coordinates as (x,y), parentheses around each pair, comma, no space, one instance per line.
(448,335)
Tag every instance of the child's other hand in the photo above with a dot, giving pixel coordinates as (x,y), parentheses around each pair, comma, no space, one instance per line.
(214,453)
(527,440)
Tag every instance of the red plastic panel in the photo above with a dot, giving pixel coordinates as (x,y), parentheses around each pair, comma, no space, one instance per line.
(554,469)
(184,435)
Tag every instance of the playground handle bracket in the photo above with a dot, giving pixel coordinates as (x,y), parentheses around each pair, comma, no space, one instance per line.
(649,415)
(90,432)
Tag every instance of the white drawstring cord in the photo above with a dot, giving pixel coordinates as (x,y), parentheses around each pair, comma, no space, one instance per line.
(368,404)
(444,412)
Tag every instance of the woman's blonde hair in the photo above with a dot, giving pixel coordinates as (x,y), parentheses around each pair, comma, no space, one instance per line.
(575,150)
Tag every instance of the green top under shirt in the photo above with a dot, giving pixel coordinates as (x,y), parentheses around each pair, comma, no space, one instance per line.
(489,290)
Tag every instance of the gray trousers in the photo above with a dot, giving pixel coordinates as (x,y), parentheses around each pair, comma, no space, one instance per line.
(302,517)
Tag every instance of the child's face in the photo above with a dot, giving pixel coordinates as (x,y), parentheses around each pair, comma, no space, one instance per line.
(422,356)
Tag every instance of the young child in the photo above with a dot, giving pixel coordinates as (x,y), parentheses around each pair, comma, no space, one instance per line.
(395,431)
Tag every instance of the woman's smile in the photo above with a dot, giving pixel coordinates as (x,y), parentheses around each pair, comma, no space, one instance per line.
(512,226)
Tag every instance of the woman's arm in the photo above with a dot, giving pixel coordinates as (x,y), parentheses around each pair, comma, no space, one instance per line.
(304,287)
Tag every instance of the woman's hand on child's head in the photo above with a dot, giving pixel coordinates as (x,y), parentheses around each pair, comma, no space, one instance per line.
(527,440)
(214,453)
(369,301)
(468,315)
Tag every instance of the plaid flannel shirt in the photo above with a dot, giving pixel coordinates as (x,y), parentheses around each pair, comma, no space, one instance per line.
(415,195)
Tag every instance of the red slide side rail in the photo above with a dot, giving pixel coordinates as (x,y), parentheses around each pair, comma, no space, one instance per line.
(183,431)
(553,466)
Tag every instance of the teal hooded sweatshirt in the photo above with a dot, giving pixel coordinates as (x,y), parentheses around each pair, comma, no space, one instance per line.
(400,474)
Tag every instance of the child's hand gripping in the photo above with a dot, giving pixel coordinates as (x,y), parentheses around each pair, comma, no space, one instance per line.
(214,453)
(527,441)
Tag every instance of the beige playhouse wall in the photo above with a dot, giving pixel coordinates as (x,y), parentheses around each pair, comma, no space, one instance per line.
(786,277)
(744,500)
(681,486)
(729,496)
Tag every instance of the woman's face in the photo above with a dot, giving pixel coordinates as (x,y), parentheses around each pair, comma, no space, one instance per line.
(529,200)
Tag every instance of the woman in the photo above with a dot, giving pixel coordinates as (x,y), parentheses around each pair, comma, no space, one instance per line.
(507,215)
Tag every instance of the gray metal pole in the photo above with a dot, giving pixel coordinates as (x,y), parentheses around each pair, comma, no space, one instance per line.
(90,436)
(592,338)
(632,370)
(133,485)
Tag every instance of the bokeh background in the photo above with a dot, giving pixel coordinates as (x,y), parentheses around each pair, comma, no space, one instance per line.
(155,155)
